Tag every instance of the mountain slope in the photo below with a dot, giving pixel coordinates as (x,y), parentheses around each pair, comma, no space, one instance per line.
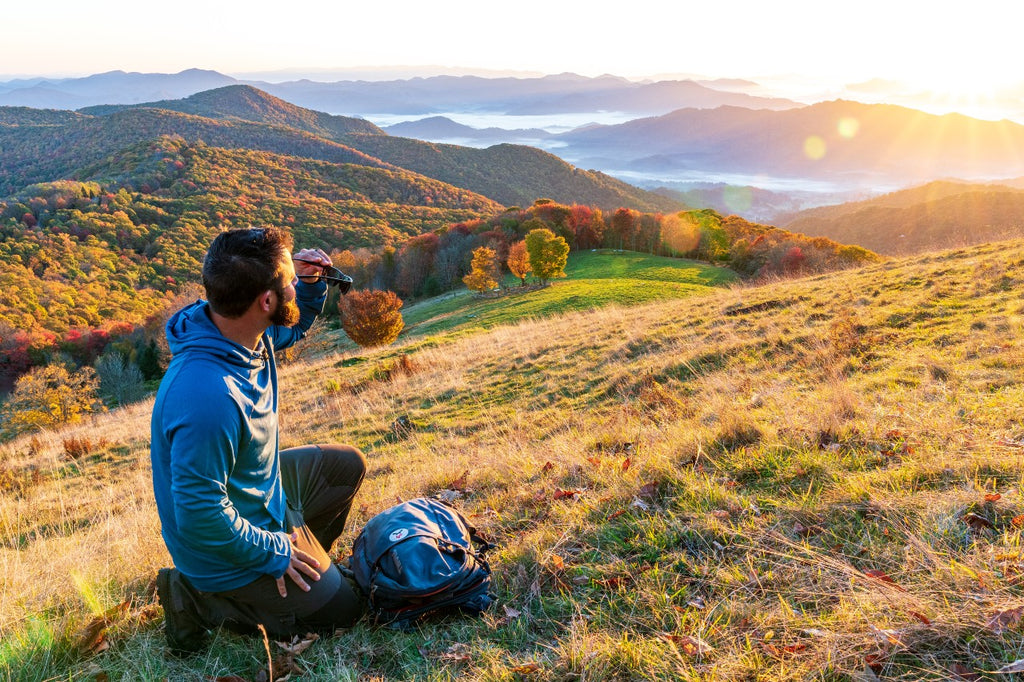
(246,103)
(243,117)
(935,216)
(511,174)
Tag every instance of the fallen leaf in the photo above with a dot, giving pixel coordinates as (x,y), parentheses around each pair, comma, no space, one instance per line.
(611,583)
(548,466)
(993,497)
(977,522)
(794,648)
(1002,621)
(648,490)
(561,494)
(616,514)
(299,644)
(921,617)
(1018,521)
(640,504)
(596,461)
(460,482)
(690,645)
(964,673)
(883,577)
(557,562)
(873,663)
(511,613)
(696,603)
(457,652)
(721,514)
(626,464)
(527,668)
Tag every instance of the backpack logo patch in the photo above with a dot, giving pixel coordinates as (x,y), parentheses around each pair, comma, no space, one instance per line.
(399,534)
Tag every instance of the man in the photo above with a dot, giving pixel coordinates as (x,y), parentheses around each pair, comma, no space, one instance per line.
(248,527)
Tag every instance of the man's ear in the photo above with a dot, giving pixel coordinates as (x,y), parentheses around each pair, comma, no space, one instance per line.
(266,300)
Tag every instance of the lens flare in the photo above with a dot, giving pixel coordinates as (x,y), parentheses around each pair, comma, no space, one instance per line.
(814,148)
(848,127)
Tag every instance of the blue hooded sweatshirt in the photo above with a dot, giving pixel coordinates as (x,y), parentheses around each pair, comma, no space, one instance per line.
(214,449)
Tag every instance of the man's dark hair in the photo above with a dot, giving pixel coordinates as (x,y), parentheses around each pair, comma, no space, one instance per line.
(241,265)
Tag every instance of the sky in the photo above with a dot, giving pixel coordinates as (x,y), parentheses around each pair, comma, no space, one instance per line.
(957,46)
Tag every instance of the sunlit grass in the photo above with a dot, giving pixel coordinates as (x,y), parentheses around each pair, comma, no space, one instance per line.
(803,480)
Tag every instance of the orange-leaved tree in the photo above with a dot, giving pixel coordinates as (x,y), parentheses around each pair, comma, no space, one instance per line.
(371,318)
(519,261)
(483,271)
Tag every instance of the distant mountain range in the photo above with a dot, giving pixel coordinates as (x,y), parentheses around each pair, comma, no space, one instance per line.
(41,147)
(840,141)
(562,93)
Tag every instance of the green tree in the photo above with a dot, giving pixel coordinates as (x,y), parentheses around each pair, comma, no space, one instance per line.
(51,396)
(548,254)
(483,271)
(121,381)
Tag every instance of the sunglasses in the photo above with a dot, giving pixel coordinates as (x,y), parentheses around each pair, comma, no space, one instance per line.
(331,275)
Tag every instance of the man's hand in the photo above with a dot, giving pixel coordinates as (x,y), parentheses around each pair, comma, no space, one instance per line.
(301,564)
(309,263)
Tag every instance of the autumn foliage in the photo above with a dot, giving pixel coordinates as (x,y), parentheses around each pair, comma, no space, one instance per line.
(484,271)
(371,318)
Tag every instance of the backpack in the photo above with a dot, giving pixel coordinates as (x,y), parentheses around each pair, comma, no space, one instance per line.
(418,557)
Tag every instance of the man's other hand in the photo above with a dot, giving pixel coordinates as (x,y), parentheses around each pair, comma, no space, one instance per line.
(309,263)
(302,564)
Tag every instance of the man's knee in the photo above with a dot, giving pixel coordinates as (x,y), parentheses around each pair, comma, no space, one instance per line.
(344,465)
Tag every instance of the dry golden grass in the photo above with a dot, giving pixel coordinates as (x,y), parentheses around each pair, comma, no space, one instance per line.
(808,479)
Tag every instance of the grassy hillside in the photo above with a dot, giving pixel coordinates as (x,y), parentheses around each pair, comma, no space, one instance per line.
(814,479)
(594,279)
(927,218)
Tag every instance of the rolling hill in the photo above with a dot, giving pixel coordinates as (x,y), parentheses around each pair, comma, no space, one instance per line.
(930,217)
(240,116)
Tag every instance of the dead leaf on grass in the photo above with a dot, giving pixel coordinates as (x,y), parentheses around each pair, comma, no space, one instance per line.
(299,644)
(648,490)
(571,494)
(688,644)
(882,576)
(977,522)
(993,497)
(526,668)
(1001,621)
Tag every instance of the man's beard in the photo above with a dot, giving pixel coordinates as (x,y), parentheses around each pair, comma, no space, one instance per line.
(286,314)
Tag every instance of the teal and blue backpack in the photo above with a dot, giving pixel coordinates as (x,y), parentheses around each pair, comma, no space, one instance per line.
(421,557)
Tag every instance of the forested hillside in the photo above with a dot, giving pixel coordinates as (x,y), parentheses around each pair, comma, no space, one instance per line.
(244,117)
(934,216)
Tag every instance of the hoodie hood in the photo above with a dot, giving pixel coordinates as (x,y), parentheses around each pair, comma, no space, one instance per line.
(191,330)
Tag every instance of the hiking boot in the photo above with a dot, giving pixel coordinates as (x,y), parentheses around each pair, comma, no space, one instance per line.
(185,631)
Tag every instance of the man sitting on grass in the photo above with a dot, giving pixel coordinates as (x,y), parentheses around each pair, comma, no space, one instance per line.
(248,526)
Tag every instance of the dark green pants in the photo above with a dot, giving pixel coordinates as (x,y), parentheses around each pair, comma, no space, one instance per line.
(320,483)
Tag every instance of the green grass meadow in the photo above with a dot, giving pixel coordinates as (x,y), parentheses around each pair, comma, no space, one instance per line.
(686,478)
